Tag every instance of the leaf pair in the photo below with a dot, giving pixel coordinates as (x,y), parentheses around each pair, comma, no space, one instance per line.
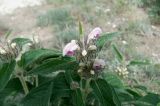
(105,93)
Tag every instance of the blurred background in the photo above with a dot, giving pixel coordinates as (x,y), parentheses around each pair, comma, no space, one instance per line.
(56,23)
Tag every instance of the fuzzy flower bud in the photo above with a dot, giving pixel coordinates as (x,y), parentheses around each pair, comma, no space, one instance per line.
(81,64)
(92,47)
(84,52)
(80,70)
(92,72)
(2,51)
(98,64)
(95,33)
(13,45)
(70,48)
(122,71)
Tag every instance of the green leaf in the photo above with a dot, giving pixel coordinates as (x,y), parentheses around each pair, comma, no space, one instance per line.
(113,80)
(141,87)
(12,89)
(31,57)
(80,29)
(117,53)
(140,103)
(61,88)
(151,98)
(134,92)
(39,96)
(76,93)
(5,73)
(105,93)
(101,41)
(21,41)
(138,62)
(77,97)
(53,65)
(123,95)
(8,33)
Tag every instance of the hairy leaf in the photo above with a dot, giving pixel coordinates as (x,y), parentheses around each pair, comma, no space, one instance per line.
(139,62)
(113,80)
(76,93)
(21,41)
(39,96)
(53,65)
(151,98)
(5,73)
(105,38)
(105,93)
(33,56)
(117,53)
(12,89)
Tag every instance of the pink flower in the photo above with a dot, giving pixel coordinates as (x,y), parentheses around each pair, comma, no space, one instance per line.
(95,33)
(98,64)
(70,48)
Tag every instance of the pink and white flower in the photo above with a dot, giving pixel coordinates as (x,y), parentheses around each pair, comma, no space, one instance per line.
(95,33)
(70,48)
(98,64)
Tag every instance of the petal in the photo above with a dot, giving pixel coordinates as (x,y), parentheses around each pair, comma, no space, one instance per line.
(70,48)
(95,33)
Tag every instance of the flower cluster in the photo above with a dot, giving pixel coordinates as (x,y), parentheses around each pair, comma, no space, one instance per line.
(85,52)
(122,71)
(12,50)
(8,51)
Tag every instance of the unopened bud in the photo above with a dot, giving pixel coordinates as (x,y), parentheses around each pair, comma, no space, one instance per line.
(92,72)
(81,64)
(92,47)
(80,70)
(84,52)
(13,45)
(2,51)
(9,41)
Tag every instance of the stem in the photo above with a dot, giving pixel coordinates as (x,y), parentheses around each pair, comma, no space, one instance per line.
(24,85)
(36,80)
(86,89)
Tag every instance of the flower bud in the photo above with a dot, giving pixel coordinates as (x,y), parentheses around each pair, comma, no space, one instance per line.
(70,48)
(92,72)
(13,45)
(95,33)
(9,41)
(92,47)
(84,52)
(2,51)
(80,70)
(98,64)
(81,64)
